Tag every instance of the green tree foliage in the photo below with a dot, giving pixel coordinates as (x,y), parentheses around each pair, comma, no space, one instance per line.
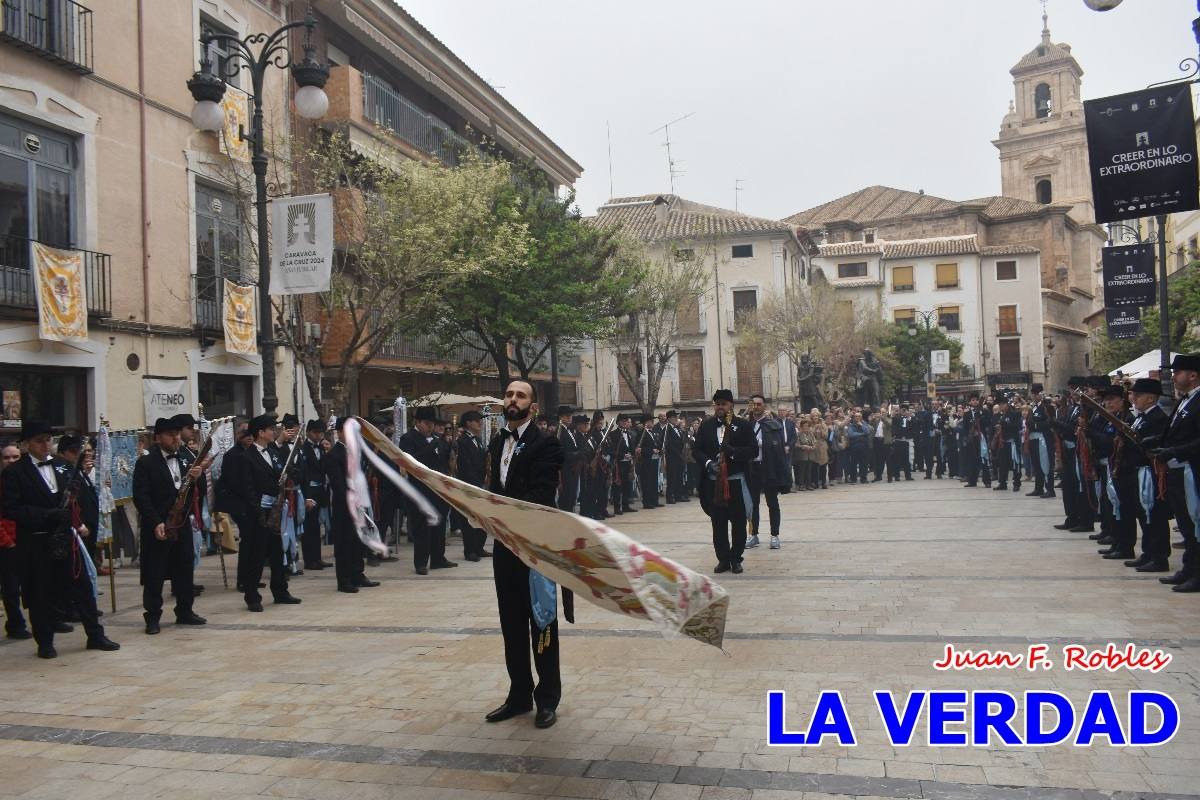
(904,352)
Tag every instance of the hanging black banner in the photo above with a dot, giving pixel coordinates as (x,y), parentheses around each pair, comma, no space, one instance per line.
(1142,153)
(1129,276)
(1123,323)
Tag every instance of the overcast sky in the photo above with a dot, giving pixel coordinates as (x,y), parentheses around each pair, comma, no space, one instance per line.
(804,101)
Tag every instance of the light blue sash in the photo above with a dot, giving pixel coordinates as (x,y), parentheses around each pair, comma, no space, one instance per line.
(1111,488)
(1147,490)
(985,455)
(88,565)
(741,478)
(1189,489)
(543,599)
(1043,452)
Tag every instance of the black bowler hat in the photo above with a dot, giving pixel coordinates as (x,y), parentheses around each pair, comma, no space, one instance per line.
(166,425)
(34,427)
(469,416)
(1037,388)
(579,419)
(722,394)
(428,413)
(261,423)
(1098,382)
(314,425)
(672,414)
(597,416)
(1076,380)
(1147,386)
(1189,362)
(291,421)
(564,411)
(184,420)
(1113,390)
(69,441)
(340,422)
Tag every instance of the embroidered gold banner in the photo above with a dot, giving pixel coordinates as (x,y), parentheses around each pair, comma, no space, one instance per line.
(240,328)
(236,105)
(61,297)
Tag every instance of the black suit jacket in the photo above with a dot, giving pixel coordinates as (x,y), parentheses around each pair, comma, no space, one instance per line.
(741,444)
(28,501)
(568,441)
(154,490)
(472,459)
(673,442)
(250,479)
(1183,431)
(1149,428)
(312,473)
(335,462)
(534,470)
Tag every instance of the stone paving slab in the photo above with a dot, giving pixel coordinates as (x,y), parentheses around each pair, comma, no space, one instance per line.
(381,694)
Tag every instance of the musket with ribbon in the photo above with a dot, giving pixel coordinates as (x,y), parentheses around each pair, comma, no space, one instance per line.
(1129,434)
(598,458)
(275,518)
(722,495)
(187,502)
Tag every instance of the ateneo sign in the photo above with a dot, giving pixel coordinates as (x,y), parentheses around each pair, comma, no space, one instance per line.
(1142,149)
(1129,280)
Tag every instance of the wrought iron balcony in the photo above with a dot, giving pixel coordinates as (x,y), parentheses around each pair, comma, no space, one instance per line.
(57,30)
(17,288)
(389,109)
(427,349)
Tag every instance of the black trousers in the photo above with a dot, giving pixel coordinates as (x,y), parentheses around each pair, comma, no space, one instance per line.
(622,495)
(858,464)
(973,464)
(1125,528)
(259,548)
(879,457)
(1070,487)
(933,457)
(1042,482)
(161,561)
(348,561)
(648,481)
(675,487)
(47,583)
(1178,497)
(758,488)
(568,490)
(898,461)
(429,541)
(10,588)
(1156,532)
(728,521)
(310,539)
(521,636)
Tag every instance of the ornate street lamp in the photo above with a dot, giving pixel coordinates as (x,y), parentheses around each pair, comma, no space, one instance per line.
(207,87)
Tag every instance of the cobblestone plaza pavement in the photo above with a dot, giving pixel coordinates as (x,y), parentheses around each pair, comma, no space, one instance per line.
(382,694)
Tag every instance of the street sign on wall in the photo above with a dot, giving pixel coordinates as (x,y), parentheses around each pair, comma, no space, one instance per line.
(1142,153)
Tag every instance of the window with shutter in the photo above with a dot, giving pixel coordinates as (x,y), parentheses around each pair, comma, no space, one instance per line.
(950,317)
(1010,355)
(632,363)
(688,316)
(1006,270)
(749,371)
(902,279)
(947,276)
(691,375)
(903,316)
(1006,322)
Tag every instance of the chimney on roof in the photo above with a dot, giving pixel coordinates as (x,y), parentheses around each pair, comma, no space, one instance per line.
(661,207)
(920,191)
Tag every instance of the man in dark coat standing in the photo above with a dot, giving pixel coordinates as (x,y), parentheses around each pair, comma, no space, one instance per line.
(1150,425)
(525,466)
(569,441)
(1180,448)
(729,438)
(471,465)
(32,496)
(316,493)
(770,470)
(348,560)
(158,478)
(674,439)
(429,541)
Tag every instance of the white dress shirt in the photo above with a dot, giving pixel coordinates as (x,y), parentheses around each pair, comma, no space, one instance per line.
(758,435)
(173,467)
(46,470)
(510,445)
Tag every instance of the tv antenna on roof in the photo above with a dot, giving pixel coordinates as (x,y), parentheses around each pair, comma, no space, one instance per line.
(671,163)
(737,192)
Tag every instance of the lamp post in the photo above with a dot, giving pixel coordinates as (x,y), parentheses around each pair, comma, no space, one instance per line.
(927,317)
(207,87)
(1120,233)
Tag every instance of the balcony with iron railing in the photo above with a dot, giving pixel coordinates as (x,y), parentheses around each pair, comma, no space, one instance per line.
(57,30)
(208,291)
(1008,326)
(692,391)
(389,109)
(17,285)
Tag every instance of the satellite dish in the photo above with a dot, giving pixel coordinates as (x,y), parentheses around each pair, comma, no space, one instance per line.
(1102,5)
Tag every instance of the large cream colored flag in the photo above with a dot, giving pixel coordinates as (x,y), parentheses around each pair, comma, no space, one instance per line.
(240,328)
(61,297)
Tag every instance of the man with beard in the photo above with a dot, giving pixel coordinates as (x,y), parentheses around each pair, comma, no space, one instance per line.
(526,464)
(420,442)
(726,440)
(769,471)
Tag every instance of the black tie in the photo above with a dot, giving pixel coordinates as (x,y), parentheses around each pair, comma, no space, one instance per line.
(505,433)
(45,464)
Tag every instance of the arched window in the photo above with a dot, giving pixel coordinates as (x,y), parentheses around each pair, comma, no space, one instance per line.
(1041,100)
(1044,191)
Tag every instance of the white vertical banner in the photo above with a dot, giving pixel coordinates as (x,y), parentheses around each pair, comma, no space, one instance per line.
(164,397)
(301,244)
(939,362)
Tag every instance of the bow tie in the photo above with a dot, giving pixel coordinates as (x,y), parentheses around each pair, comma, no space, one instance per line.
(505,433)
(41,464)
(175,456)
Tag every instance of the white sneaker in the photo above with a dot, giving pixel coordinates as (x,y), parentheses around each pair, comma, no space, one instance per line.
(775,543)
(752,541)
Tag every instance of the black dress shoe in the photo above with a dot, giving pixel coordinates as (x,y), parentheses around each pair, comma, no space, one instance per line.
(287,600)
(190,619)
(1082,529)
(19,634)
(486,554)
(737,568)
(443,564)
(348,589)
(472,557)
(1106,540)
(1154,566)
(317,565)
(152,627)
(422,571)
(1095,537)
(1174,580)
(197,589)
(366,583)
(1118,554)
(1188,586)
(1048,495)
(1141,560)
(1034,493)
(63,627)
(721,567)
(545,718)
(1066,526)
(102,642)
(47,651)
(1001,487)
(507,711)
(257,606)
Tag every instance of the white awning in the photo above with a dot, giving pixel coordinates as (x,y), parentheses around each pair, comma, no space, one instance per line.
(1142,366)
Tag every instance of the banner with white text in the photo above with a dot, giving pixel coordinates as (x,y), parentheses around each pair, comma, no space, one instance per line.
(164,397)
(301,244)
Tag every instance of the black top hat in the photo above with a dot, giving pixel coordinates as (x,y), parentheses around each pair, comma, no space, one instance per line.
(722,394)
(34,427)
(672,414)
(70,441)
(291,421)
(1113,390)
(168,424)
(597,416)
(1186,361)
(314,425)
(262,422)
(1037,388)
(1147,386)
(1076,380)
(579,419)
(184,420)
(564,411)
(429,413)
(647,417)
(1098,382)
(469,416)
